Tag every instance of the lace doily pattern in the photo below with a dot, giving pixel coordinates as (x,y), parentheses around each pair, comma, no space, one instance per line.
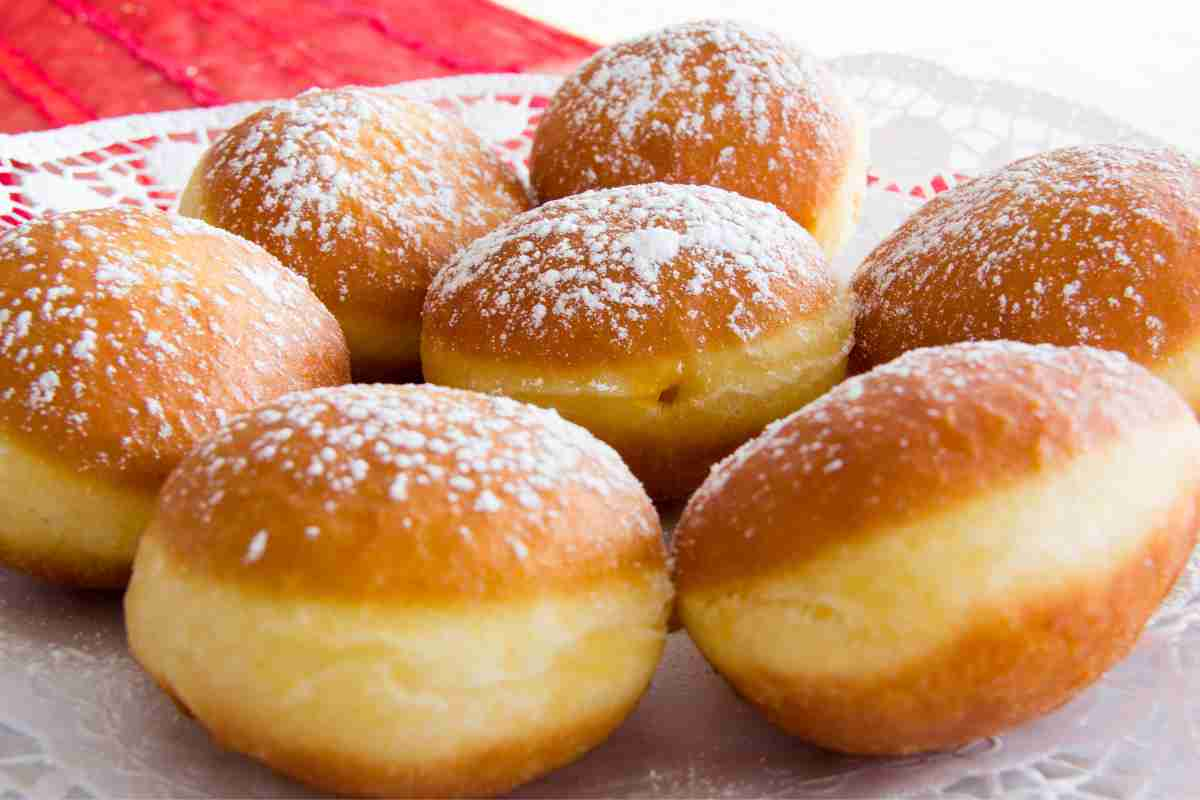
(78,718)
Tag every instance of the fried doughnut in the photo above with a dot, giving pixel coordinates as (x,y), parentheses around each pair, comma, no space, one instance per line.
(125,337)
(720,103)
(403,590)
(947,546)
(1096,245)
(673,322)
(366,195)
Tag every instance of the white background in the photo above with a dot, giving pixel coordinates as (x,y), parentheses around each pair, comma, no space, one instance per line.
(1139,60)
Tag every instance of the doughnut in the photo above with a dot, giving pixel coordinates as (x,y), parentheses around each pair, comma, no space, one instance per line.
(719,103)
(947,546)
(125,337)
(1096,245)
(366,195)
(673,322)
(403,591)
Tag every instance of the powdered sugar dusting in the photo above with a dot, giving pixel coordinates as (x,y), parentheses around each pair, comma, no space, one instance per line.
(363,174)
(123,338)
(1083,245)
(43,390)
(615,261)
(418,450)
(686,87)
(398,490)
(256,548)
(918,400)
(652,245)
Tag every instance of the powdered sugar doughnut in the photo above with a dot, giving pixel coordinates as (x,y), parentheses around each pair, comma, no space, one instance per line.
(125,337)
(402,590)
(366,195)
(1095,245)
(949,545)
(674,322)
(719,103)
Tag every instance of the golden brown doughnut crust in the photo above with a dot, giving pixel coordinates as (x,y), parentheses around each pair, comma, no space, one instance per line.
(931,429)
(715,102)
(363,193)
(126,335)
(416,493)
(627,275)
(1095,245)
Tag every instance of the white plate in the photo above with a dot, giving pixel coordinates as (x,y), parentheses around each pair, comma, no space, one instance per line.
(79,719)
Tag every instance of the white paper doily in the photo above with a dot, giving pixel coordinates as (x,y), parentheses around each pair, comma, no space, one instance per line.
(78,719)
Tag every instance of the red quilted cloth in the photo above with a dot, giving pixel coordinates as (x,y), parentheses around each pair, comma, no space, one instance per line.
(69,61)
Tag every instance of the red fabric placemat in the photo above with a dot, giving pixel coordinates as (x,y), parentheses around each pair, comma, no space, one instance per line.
(69,61)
